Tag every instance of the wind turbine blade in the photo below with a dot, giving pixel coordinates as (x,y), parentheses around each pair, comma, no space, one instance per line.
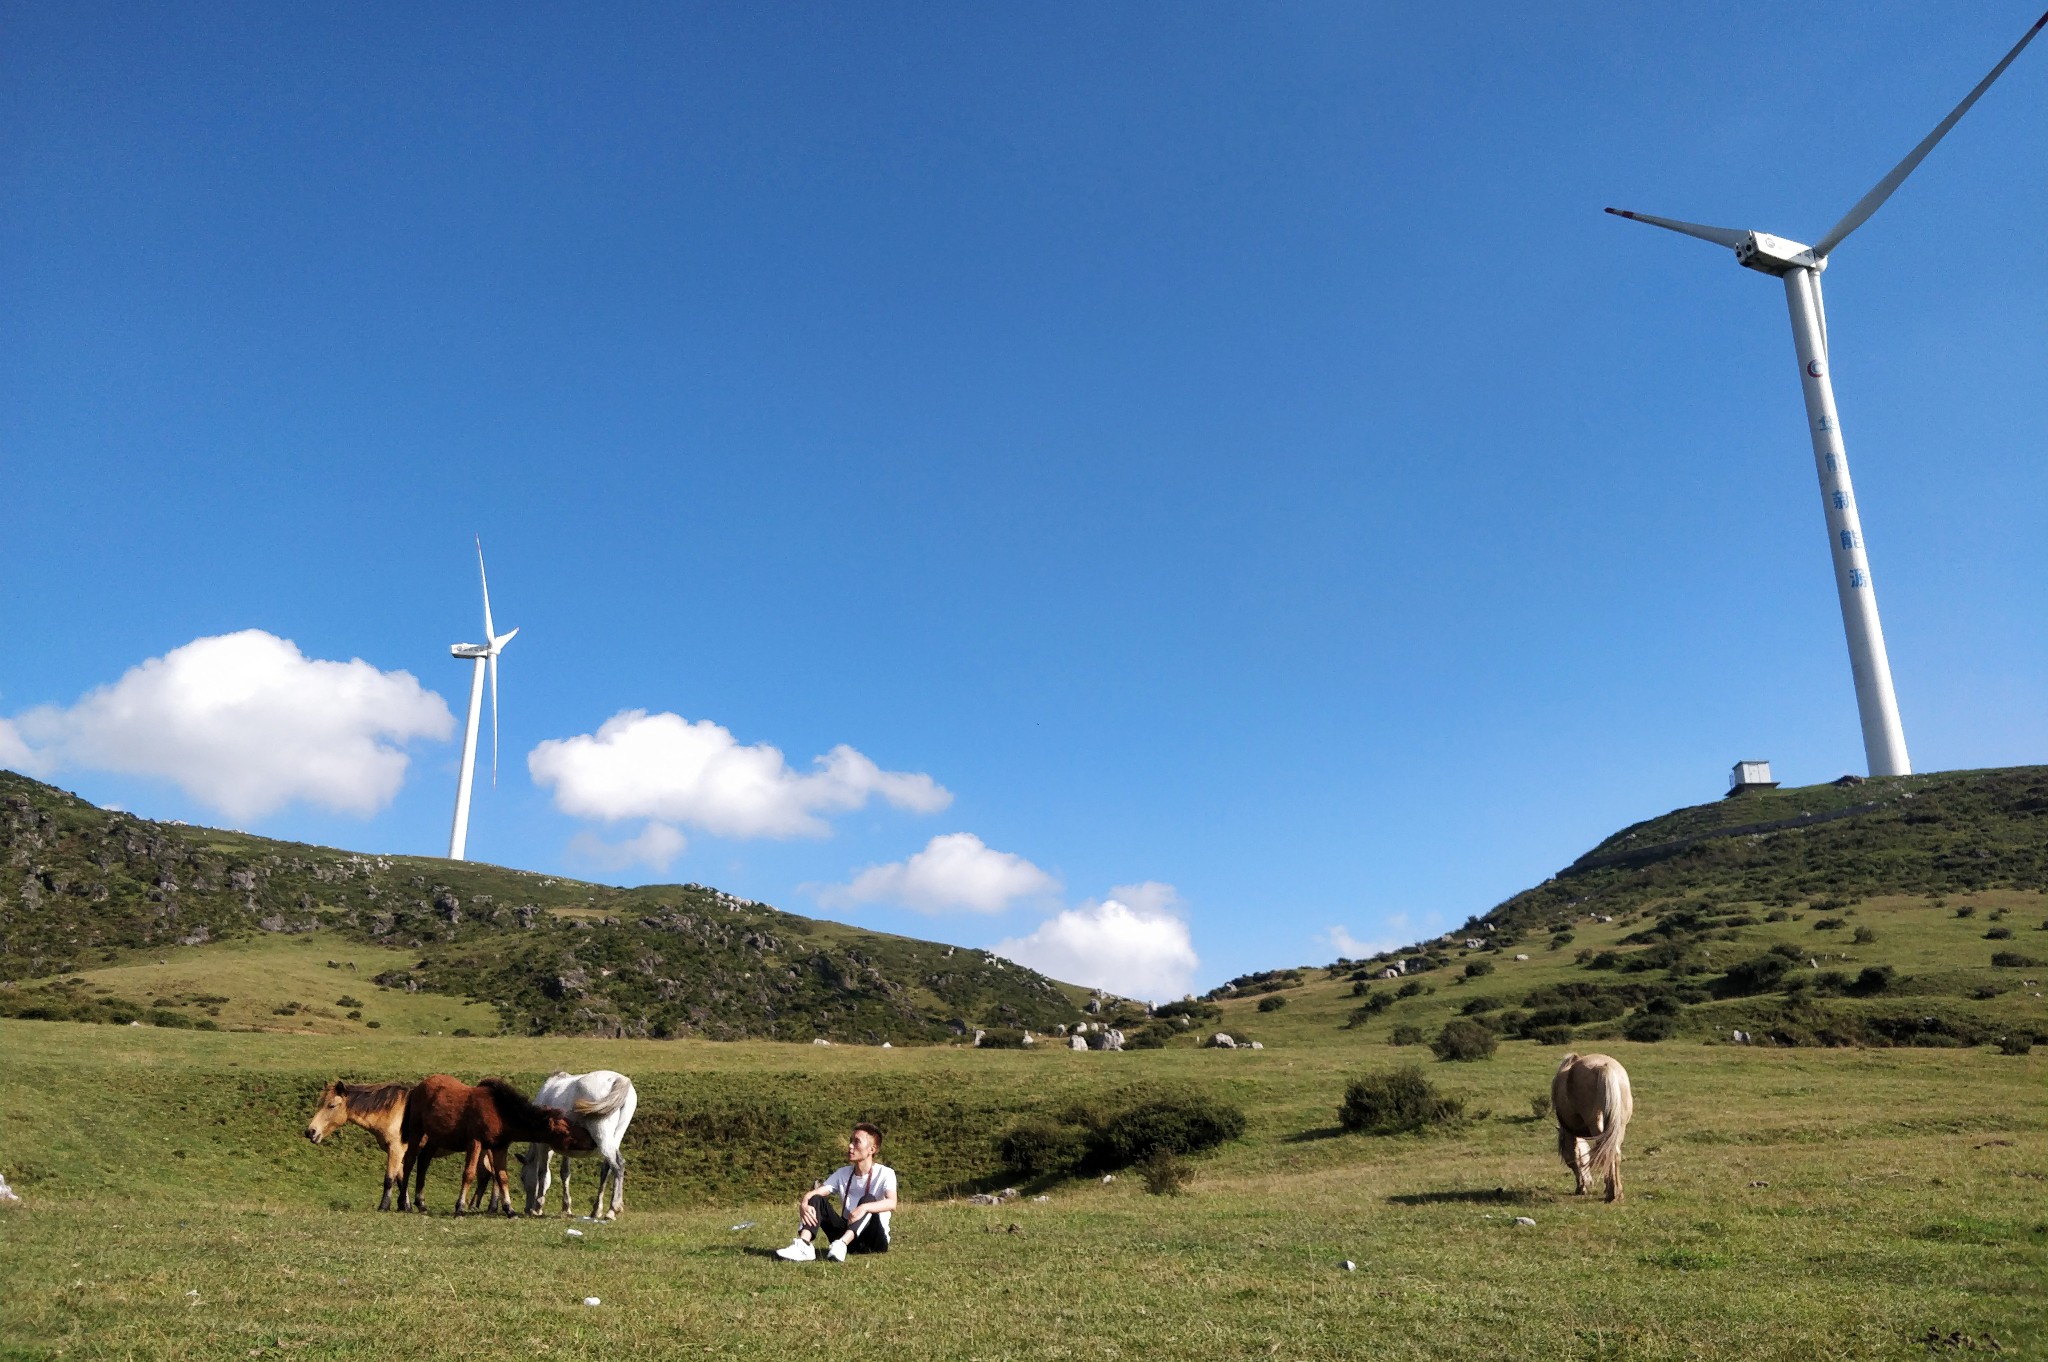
(503,639)
(494,721)
(1720,236)
(485,579)
(1874,200)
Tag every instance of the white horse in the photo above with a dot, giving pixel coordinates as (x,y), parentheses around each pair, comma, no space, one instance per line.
(602,1102)
(1591,1097)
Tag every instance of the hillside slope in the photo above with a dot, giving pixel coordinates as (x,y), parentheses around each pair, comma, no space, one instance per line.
(84,888)
(1906,911)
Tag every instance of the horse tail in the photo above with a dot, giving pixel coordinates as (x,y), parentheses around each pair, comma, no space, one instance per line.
(1617,1104)
(622,1088)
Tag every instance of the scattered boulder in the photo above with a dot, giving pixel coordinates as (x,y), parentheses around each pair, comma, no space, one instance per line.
(1077,1042)
(1220,1041)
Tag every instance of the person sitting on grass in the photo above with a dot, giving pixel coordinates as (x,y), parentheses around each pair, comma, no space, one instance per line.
(867,1194)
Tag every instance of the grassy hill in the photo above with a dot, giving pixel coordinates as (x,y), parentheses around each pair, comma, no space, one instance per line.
(1784,1201)
(108,917)
(1904,911)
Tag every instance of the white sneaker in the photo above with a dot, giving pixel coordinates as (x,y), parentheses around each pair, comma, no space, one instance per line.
(797,1250)
(837,1251)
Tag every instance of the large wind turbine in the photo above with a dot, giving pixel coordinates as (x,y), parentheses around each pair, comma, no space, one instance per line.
(1884,741)
(486,654)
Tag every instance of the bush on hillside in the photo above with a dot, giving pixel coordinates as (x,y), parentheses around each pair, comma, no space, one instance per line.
(1003,1038)
(1374,1004)
(2015,1045)
(1463,1040)
(1474,1006)
(1411,989)
(1405,1035)
(1874,979)
(1166,1174)
(1102,1140)
(1967,910)
(1864,936)
(1761,975)
(1828,924)
(1999,934)
(1394,1101)
(1476,968)
(1038,1145)
(2013,960)
(1551,1035)
(1272,1002)
(1650,1026)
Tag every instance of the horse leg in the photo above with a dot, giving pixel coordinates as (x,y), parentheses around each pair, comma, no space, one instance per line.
(568,1210)
(394,1173)
(503,1182)
(618,1185)
(469,1163)
(1568,1150)
(420,1159)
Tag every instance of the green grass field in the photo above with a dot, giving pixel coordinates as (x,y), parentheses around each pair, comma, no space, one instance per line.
(1781,1203)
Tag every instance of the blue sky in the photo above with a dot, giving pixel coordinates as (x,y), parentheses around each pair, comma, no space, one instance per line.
(1219,447)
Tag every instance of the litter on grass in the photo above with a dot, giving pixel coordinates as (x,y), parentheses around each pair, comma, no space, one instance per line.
(744,1225)
(592,1300)
(1523,1220)
(1349,1266)
(575,1234)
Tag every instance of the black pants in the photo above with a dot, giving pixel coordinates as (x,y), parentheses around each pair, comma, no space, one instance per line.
(831,1224)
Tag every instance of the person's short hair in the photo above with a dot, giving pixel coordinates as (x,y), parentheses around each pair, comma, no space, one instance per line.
(872,1133)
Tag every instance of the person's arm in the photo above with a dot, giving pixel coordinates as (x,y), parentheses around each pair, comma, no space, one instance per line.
(885,1202)
(805,1210)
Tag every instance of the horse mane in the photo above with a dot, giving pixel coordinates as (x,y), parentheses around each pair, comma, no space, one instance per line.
(513,1102)
(368,1099)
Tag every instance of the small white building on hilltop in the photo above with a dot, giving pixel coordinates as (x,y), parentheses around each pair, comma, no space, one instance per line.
(1750,775)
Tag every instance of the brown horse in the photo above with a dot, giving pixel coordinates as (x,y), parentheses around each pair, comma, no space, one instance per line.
(378,1108)
(1591,1097)
(444,1114)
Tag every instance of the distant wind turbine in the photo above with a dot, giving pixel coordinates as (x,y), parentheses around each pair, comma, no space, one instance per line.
(1884,740)
(485,653)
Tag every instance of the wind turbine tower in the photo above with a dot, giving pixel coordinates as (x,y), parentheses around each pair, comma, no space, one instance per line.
(485,654)
(1884,740)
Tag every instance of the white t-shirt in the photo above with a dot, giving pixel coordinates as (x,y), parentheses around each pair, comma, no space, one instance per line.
(878,1184)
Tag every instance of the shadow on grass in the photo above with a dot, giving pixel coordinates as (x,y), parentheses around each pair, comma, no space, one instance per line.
(1492,1196)
(1319,1133)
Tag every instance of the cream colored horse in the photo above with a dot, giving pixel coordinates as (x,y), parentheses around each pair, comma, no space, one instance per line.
(1591,1097)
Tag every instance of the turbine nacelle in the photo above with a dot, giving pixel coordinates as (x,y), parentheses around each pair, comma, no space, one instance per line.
(471,650)
(1774,255)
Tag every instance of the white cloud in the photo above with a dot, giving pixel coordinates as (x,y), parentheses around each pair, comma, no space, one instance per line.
(668,768)
(656,847)
(245,723)
(1135,942)
(14,752)
(1352,948)
(956,872)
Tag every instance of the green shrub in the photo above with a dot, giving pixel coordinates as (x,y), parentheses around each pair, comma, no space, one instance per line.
(1003,1038)
(1604,960)
(1650,1026)
(1476,968)
(1394,1101)
(1462,1040)
(1828,924)
(1183,1124)
(1863,937)
(1760,975)
(1374,1004)
(1474,1006)
(1967,910)
(1874,979)
(1539,1106)
(1551,1035)
(1038,1145)
(1411,989)
(2013,960)
(1560,940)
(1999,934)
(1166,1174)
(1272,1002)
(2015,1045)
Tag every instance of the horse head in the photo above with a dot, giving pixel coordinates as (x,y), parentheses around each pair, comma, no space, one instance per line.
(331,1114)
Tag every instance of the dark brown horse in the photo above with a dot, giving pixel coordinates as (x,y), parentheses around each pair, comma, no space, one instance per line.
(444,1115)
